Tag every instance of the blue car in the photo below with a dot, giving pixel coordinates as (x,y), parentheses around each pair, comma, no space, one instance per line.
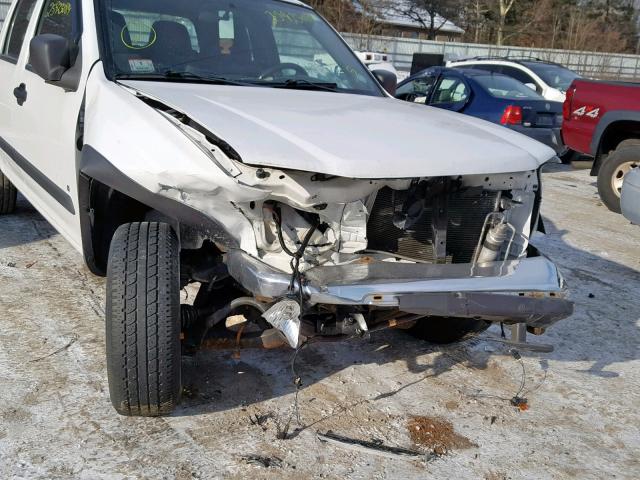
(490,96)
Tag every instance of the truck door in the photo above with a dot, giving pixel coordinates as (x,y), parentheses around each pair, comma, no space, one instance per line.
(44,121)
(11,50)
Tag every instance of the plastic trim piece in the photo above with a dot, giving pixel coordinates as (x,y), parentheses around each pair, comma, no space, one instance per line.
(57,193)
(96,166)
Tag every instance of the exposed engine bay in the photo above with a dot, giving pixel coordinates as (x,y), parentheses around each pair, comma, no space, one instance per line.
(436,221)
(313,231)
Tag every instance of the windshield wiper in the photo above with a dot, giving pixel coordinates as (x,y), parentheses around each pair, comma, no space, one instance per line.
(172,75)
(301,84)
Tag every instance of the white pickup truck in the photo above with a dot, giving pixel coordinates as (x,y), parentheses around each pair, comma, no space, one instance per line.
(170,144)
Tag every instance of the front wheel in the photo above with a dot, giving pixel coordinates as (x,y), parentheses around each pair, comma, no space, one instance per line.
(443,331)
(613,171)
(143,320)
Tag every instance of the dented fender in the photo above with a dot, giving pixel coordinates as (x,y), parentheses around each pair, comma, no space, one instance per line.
(154,163)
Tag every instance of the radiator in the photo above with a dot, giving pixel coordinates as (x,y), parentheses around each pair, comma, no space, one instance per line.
(465,213)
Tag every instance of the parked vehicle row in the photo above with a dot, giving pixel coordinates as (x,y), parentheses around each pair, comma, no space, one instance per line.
(182,142)
(551,80)
(599,119)
(489,96)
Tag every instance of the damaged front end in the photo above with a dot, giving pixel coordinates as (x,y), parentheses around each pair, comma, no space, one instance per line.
(336,257)
(319,256)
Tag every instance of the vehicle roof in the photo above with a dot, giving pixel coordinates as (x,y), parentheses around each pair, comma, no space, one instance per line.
(296,2)
(467,72)
(525,61)
(125,3)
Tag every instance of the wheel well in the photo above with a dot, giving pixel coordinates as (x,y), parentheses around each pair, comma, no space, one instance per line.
(615,134)
(103,210)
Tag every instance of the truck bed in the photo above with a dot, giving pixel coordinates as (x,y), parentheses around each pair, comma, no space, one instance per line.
(592,106)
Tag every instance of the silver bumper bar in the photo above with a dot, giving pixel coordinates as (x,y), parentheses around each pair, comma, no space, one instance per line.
(384,284)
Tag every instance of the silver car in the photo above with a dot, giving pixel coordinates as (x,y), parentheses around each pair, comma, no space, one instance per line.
(631,196)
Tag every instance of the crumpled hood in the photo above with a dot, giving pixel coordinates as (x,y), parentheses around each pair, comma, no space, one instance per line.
(348,135)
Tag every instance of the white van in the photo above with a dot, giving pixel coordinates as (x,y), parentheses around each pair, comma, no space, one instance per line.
(241,146)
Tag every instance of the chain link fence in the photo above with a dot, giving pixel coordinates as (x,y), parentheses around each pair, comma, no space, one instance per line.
(590,64)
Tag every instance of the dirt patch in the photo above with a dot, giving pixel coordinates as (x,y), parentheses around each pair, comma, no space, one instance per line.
(491,475)
(451,405)
(436,434)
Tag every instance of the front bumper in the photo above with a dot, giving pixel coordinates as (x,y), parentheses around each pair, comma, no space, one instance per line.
(551,137)
(522,291)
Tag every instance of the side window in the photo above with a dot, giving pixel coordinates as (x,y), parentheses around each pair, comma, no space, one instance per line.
(450,90)
(488,68)
(417,90)
(18,29)
(518,74)
(56,19)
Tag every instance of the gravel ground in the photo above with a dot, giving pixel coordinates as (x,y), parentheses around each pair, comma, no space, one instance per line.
(582,422)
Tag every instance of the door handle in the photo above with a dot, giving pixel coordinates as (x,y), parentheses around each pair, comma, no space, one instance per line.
(20,93)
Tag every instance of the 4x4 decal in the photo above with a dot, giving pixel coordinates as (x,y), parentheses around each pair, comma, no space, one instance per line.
(587,111)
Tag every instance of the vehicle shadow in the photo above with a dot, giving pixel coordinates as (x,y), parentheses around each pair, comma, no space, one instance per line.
(24,226)
(604,329)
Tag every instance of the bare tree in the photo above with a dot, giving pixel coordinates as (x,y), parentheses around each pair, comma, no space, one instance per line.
(432,15)
(348,16)
(504,7)
(592,25)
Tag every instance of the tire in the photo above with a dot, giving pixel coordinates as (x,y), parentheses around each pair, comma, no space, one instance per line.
(613,170)
(8,195)
(443,331)
(143,320)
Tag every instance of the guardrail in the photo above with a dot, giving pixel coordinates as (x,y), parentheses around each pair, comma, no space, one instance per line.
(590,64)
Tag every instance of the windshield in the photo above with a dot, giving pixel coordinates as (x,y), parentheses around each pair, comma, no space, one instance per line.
(554,75)
(501,86)
(267,43)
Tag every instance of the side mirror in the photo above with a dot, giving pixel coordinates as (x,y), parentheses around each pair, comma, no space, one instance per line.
(532,86)
(387,79)
(51,56)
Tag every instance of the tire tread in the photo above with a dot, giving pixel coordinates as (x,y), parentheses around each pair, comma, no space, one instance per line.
(627,150)
(143,324)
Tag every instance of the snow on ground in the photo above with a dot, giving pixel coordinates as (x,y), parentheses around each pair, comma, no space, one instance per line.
(56,420)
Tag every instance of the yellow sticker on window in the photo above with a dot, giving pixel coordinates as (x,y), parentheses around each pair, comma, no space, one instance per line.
(58,9)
